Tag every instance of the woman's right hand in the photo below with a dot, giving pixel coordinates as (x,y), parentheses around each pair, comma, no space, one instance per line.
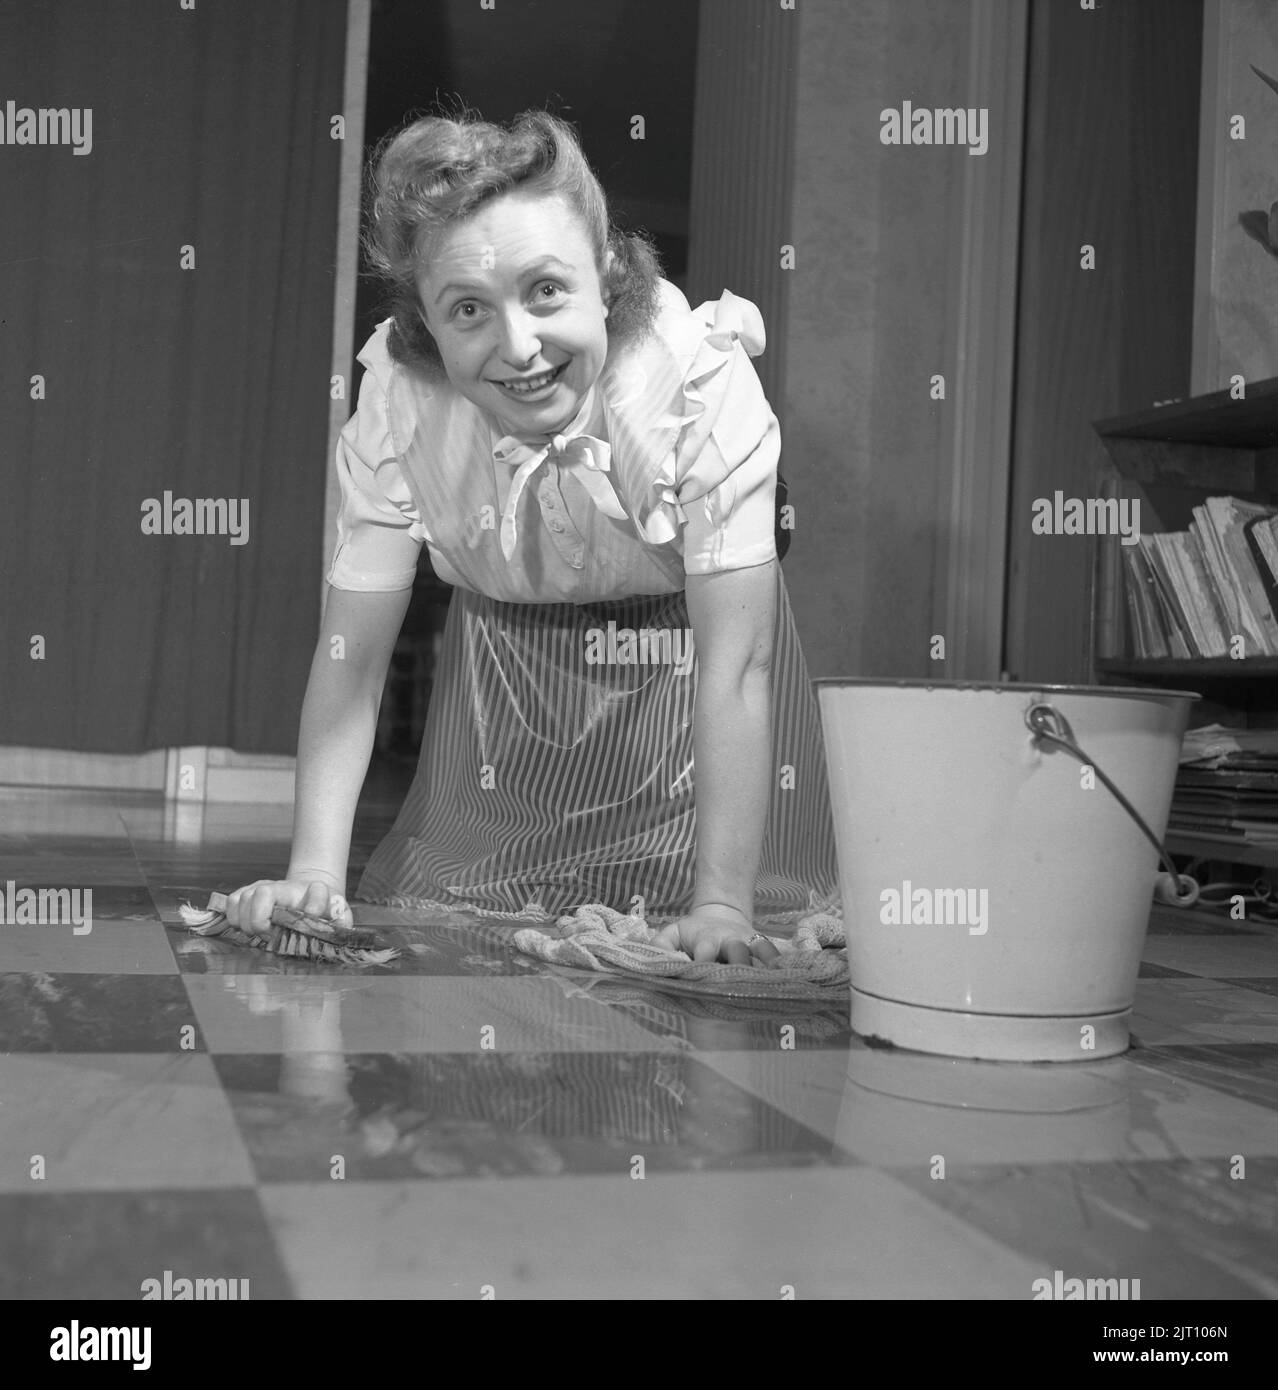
(250,907)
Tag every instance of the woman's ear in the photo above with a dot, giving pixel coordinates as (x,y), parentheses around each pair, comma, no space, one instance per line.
(610,261)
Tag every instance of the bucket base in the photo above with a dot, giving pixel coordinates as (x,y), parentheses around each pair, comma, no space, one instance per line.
(990,1037)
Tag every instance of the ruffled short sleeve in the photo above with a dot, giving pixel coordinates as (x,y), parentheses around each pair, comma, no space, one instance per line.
(726,459)
(379,530)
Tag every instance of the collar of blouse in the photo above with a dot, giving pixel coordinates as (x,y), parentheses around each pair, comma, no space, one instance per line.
(651,402)
(587,457)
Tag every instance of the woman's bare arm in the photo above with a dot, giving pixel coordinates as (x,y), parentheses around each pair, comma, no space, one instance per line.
(335,741)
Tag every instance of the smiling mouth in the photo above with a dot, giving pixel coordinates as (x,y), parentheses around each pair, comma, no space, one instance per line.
(531,385)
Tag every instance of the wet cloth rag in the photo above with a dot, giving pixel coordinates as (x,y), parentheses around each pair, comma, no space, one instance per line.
(813,963)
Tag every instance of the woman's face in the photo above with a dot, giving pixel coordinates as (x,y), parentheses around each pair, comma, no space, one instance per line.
(511,298)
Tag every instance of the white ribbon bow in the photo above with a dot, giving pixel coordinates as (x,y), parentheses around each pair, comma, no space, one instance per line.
(588,458)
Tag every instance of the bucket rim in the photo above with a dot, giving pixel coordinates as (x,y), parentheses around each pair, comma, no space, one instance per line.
(1021,687)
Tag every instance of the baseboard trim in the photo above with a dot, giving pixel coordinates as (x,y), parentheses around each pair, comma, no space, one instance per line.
(66,767)
(194,774)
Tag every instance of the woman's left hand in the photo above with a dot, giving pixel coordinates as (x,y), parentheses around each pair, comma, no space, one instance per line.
(716,932)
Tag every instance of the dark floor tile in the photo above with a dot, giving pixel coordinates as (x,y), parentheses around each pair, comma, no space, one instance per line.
(251,847)
(96,1013)
(430,949)
(1150,971)
(266,859)
(1264,984)
(710,1023)
(120,871)
(393,1116)
(1199,927)
(80,846)
(1245,1071)
(1172,921)
(1184,1228)
(104,1245)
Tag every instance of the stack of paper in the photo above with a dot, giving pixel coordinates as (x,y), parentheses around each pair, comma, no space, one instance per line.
(1227,786)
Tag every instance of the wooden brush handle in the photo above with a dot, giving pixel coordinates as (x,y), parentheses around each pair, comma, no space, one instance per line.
(321,928)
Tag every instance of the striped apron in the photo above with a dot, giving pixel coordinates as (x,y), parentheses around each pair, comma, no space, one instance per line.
(548,779)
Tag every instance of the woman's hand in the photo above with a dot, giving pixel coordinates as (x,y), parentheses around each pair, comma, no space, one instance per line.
(250,907)
(716,931)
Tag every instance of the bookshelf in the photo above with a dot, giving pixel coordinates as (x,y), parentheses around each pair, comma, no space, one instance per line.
(1173,458)
(1166,670)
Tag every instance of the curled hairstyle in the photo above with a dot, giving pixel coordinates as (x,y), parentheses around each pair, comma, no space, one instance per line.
(439,170)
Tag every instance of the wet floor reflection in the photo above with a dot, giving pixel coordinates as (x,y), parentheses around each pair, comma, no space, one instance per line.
(471,1113)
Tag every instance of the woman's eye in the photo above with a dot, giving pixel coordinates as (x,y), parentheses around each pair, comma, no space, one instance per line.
(464,304)
(548,285)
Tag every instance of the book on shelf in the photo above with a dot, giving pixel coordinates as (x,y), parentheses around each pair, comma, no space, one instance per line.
(1227,785)
(1190,594)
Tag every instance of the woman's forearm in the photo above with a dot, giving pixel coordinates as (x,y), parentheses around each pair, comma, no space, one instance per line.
(339,721)
(733,750)
(334,743)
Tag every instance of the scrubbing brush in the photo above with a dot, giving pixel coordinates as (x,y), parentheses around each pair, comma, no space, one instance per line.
(299,935)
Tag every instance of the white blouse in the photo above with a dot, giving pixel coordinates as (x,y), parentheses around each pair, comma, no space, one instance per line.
(684,484)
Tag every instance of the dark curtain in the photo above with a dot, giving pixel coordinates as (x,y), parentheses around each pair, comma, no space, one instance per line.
(210,130)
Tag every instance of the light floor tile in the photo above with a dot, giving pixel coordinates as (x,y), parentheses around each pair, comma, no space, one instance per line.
(108,948)
(827,1233)
(122,1122)
(1201,1011)
(899,1110)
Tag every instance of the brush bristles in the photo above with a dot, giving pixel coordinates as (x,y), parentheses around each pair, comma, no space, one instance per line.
(352,947)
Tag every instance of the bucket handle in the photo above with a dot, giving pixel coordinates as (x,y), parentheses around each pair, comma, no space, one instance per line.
(1048,724)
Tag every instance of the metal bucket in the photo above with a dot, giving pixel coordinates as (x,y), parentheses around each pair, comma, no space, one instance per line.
(996,889)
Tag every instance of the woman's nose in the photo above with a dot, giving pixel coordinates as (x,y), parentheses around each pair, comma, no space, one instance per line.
(520,342)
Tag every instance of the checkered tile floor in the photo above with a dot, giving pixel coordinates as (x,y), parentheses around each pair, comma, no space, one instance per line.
(172,1103)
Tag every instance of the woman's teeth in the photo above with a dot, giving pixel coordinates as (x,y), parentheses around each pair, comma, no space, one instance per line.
(532,385)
